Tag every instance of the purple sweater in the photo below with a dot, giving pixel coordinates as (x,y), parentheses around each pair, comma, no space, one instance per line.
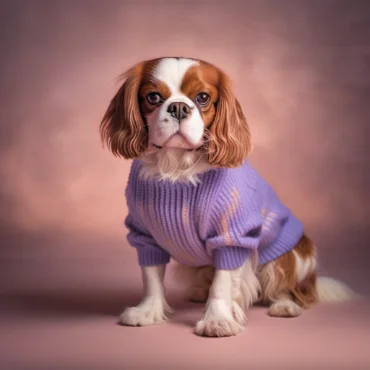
(218,222)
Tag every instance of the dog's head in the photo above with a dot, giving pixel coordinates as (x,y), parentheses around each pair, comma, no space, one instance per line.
(177,103)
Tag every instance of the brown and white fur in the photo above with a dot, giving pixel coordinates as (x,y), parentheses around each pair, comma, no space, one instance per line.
(180,116)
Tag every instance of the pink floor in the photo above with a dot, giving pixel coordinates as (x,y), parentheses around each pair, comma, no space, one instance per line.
(59,308)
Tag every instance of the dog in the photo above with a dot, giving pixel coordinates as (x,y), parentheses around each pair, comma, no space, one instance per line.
(194,197)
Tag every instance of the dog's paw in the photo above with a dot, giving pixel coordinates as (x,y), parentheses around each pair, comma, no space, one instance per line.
(144,316)
(285,308)
(217,328)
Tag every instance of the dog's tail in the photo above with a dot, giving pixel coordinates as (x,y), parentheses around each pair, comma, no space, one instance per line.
(331,290)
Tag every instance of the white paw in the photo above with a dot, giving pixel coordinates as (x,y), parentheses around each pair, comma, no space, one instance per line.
(285,308)
(217,328)
(144,316)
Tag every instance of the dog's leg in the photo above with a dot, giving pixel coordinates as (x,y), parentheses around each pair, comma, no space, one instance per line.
(276,292)
(289,282)
(153,309)
(223,316)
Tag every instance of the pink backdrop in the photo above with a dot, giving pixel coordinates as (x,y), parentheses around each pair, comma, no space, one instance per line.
(301,71)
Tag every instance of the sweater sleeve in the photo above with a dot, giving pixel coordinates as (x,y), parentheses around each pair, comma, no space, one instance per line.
(149,252)
(235,227)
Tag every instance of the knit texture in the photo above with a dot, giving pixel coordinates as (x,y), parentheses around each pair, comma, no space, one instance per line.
(218,222)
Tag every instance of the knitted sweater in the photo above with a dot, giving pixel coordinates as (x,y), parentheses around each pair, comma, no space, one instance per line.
(218,222)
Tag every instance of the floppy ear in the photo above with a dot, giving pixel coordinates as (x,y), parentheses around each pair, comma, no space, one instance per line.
(230,138)
(122,127)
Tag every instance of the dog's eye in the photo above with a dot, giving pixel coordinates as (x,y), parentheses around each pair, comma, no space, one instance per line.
(202,99)
(154,98)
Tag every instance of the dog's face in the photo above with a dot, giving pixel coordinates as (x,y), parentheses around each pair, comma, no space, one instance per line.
(177,98)
(177,103)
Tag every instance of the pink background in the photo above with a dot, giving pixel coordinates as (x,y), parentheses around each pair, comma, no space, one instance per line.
(301,71)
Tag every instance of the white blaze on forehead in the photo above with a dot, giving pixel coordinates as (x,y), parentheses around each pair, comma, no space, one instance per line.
(171,71)
(163,126)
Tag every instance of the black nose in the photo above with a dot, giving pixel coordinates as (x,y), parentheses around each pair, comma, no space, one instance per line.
(179,110)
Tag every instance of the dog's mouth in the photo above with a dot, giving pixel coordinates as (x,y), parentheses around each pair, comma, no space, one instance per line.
(188,150)
(178,141)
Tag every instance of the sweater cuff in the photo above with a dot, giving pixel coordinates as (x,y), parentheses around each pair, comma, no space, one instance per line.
(229,258)
(152,257)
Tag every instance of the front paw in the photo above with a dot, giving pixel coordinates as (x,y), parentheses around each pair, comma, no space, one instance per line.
(144,316)
(217,328)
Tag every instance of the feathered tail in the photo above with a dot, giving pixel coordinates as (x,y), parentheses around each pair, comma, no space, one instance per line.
(331,290)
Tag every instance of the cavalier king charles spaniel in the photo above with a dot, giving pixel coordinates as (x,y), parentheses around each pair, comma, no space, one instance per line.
(193,197)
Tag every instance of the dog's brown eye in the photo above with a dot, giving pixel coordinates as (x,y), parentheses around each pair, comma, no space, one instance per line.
(154,98)
(202,99)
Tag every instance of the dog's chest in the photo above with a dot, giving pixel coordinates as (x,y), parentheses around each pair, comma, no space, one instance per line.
(172,213)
